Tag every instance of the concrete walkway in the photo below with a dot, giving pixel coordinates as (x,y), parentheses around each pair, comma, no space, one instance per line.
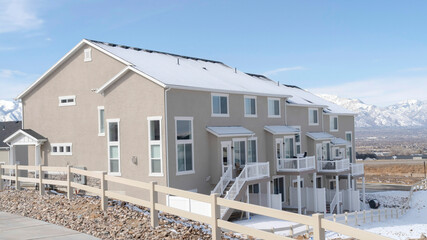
(18,227)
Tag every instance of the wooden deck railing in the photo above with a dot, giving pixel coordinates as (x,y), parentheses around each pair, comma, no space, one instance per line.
(316,221)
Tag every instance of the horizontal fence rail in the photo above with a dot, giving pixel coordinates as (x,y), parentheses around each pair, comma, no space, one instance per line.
(316,223)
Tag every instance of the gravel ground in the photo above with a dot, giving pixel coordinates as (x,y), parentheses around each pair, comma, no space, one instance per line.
(83,214)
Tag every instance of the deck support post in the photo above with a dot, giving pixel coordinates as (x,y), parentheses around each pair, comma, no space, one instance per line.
(269,194)
(315,191)
(363,193)
(299,194)
(350,195)
(337,191)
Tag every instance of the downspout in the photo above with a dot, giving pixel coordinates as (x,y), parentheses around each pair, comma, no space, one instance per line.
(167,138)
(323,123)
(286,115)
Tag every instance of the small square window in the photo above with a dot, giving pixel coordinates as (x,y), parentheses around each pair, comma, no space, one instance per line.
(313,116)
(250,107)
(54,149)
(274,107)
(220,105)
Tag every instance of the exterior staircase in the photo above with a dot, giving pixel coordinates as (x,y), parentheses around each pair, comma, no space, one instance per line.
(234,189)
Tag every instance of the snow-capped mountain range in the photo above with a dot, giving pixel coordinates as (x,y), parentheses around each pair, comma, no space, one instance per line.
(410,113)
(10,111)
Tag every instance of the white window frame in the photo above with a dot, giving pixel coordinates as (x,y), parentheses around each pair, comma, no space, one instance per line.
(234,155)
(310,123)
(155,142)
(351,136)
(295,140)
(284,187)
(228,105)
(117,120)
(88,54)
(63,153)
(294,146)
(244,105)
(67,98)
(256,148)
(296,180)
(99,121)
(331,123)
(268,108)
(178,173)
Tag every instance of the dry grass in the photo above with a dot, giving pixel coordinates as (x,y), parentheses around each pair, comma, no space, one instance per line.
(403,172)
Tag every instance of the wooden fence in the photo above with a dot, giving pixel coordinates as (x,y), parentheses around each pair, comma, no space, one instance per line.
(380,214)
(317,222)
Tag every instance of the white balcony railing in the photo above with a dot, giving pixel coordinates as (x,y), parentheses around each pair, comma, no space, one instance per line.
(333,166)
(357,169)
(296,164)
(224,181)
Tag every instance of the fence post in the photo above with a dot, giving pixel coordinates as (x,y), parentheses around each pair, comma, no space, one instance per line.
(17,187)
(318,231)
(41,186)
(335,217)
(104,187)
(397,213)
(379,214)
(1,180)
(69,180)
(346,217)
(372,216)
(385,210)
(154,215)
(364,216)
(355,217)
(215,215)
(292,231)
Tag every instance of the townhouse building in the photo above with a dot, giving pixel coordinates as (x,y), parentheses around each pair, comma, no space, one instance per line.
(193,124)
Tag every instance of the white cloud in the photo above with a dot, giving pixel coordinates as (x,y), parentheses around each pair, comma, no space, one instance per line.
(13,82)
(18,15)
(380,91)
(284,69)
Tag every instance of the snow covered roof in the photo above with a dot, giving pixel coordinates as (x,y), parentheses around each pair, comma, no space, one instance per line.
(281,129)
(177,71)
(304,98)
(339,141)
(320,136)
(230,131)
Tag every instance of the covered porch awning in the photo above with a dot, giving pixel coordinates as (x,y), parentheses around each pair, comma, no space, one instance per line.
(281,130)
(318,136)
(25,137)
(236,131)
(340,141)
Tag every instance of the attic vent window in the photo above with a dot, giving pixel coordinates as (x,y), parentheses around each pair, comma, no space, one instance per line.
(88,55)
(67,101)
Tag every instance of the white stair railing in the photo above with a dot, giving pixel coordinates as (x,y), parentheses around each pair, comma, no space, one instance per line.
(223,181)
(251,171)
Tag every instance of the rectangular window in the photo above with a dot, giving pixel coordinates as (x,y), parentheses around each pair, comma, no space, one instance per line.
(67,101)
(239,149)
(254,188)
(220,105)
(113,146)
(274,107)
(313,116)
(101,121)
(155,148)
(289,147)
(184,145)
(349,137)
(333,123)
(252,150)
(61,149)
(250,106)
(298,139)
(88,55)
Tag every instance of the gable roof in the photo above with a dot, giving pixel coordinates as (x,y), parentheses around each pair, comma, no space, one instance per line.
(174,71)
(6,129)
(301,97)
(183,72)
(26,132)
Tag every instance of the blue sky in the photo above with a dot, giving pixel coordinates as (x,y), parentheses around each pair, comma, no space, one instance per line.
(372,50)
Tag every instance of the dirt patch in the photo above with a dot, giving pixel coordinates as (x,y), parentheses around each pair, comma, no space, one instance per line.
(406,173)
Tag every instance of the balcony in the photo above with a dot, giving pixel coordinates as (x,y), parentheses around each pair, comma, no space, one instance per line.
(296,164)
(335,166)
(357,169)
